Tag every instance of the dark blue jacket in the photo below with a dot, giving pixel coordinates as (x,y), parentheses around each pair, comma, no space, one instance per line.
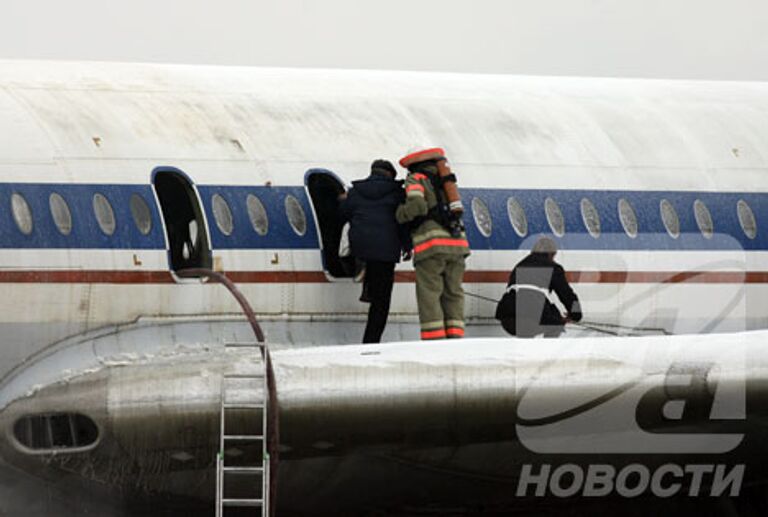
(370,206)
(539,270)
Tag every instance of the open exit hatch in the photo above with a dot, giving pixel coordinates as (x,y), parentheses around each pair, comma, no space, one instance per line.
(324,188)
(184,222)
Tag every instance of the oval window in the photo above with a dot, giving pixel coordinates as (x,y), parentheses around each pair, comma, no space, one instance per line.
(257,214)
(669,218)
(703,219)
(628,218)
(142,216)
(482,216)
(295,214)
(105,216)
(591,217)
(747,219)
(60,213)
(59,431)
(222,214)
(22,215)
(554,217)
(517,217)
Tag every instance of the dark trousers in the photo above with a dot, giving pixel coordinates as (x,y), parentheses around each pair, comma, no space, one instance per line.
(530,329)
(379,277)
(528,313)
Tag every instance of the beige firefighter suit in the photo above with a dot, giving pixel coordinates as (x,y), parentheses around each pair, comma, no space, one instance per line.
(438,261)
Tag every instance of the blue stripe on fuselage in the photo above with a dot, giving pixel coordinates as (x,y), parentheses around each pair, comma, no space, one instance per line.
(652,233)
(280,234)
(86,233)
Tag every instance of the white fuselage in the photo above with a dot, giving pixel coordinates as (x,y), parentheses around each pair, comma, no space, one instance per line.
(85,129)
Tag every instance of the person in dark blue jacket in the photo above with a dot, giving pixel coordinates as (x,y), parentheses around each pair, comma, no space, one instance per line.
(377,239)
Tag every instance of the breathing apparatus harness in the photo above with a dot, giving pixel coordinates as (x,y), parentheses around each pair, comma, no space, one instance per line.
(449,210)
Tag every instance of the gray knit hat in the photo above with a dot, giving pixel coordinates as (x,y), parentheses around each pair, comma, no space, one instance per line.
(545,245)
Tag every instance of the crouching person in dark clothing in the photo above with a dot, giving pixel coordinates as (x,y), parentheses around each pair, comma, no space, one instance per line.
(377,239)
(525,309)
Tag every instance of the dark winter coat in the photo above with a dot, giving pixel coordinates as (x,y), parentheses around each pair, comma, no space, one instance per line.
(537,269)
(370,206)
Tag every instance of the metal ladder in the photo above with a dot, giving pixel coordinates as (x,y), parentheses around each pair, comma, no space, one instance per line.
(268,433)
(252,408)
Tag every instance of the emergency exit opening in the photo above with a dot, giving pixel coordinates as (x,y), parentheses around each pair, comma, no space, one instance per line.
(324,188)
(184,222)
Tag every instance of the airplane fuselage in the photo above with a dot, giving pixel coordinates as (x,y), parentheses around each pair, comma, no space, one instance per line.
(114,178)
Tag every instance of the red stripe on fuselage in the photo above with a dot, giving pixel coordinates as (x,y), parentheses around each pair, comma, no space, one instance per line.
(668,277)
(314,277)
(51,276)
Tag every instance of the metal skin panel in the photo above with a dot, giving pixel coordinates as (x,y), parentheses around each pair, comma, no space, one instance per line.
(619,133)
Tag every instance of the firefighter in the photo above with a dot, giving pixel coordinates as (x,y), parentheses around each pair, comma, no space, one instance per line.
(440,247)
(525,310)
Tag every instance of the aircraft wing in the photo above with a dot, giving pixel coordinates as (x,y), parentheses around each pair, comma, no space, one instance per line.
(446,424)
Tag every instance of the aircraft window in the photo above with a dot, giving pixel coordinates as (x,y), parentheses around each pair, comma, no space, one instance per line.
(554,217)
(628,217)
(296,215)
(55,432)
(703,219)
(669,218)
(482,216)
(104,214)
(747,219)
(62,217)
(222,214)
(591,217)
(21,213)
(257,214)
(517,217)
(142,216)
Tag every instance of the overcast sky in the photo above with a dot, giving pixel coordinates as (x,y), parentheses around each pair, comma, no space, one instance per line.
(701,39)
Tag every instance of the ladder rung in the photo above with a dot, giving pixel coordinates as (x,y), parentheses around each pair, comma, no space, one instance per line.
(242,502)
(243,470)
(240,405)
(243,437)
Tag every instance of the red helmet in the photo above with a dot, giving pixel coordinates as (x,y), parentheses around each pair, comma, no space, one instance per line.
(422,155)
